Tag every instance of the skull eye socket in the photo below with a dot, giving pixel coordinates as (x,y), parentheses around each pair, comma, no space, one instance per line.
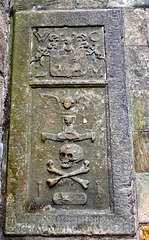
(62,154)
(69,155)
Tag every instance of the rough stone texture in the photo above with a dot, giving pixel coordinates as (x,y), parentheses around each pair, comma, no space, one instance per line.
(120,3)
(63,238)
(1,98)
(41,4)
(138,109)
(135,29)
(128,3)
(141,151)
(147,23)
(3,36)
(69,4)
(137,63)
(3,29)
(91,3)
(3,88)
(142,181)
(1,151)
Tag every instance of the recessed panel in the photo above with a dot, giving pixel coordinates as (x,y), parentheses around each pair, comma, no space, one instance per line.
(68,52)
(68,166)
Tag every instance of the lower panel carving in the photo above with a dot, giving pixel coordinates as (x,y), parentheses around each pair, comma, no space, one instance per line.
(69,149)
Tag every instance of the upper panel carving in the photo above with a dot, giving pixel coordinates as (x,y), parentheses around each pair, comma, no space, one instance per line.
(68,53)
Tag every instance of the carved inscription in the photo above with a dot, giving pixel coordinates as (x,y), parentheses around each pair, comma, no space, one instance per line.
(66,198)
(68,52)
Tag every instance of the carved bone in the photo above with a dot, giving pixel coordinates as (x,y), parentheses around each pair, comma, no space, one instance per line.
(84,169)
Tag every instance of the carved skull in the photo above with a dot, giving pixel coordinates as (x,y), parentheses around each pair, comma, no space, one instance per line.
(69,154)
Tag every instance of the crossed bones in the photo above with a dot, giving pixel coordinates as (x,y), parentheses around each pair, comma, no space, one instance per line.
(83,169)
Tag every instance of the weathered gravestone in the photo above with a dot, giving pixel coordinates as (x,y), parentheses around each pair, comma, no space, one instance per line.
(69,163)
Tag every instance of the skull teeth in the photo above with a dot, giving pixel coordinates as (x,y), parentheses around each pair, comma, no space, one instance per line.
(66,165)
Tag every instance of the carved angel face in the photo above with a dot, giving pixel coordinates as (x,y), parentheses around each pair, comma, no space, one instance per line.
(68,44)
(68,102)
(69,154)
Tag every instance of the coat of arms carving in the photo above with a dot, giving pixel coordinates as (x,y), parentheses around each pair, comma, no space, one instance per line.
(68,52)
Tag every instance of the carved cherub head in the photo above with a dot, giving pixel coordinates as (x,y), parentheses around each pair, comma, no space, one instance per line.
(68,44)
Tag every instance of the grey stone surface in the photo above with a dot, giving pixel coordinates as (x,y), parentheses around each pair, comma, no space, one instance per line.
(70,4)
(56,221)
(142,180)
(147,23)
(1,98)
(36,5)
(3,30)
(64,238)
(137,65)
(91,3)
(120,3)
(135,27)
(128,3)
(1,151)
(138,110)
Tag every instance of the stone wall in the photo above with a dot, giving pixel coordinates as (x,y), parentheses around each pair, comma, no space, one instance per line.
(136,40)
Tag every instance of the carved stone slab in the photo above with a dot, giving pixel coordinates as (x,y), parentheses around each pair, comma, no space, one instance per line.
(69,161)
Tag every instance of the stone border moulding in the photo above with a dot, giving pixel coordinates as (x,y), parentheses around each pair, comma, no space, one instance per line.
(119,220)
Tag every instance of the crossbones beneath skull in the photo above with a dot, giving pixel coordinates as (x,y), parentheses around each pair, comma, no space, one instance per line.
(83,169)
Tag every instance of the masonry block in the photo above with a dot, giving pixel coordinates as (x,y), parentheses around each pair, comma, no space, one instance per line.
(141,151)
(135,27)
(142,181)
(137,65)
(138,110)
